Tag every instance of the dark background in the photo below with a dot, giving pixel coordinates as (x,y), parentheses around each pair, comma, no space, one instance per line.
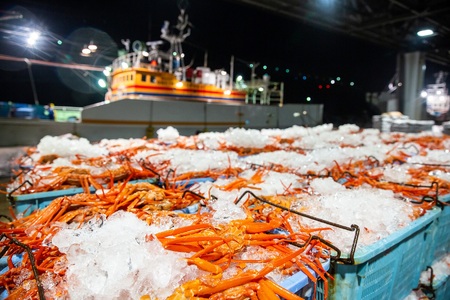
(302,56)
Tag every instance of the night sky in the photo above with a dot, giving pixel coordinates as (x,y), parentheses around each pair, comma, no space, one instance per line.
(301,56)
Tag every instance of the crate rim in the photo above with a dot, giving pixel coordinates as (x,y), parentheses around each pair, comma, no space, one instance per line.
(366,253)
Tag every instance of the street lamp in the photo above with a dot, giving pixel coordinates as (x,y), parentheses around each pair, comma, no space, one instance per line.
(32,38)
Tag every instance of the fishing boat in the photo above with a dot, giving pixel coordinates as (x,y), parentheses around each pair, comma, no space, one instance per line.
(437,98)
(145,72)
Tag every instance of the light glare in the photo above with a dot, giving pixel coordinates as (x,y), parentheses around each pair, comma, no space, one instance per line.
(425,32)
(33,37)
(102,83)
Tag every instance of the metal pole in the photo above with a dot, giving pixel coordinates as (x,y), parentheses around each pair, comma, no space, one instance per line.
(205,59)
(33,87)
(231,72)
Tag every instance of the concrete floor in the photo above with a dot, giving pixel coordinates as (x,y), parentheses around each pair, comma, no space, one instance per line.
(7,156)
(4,203)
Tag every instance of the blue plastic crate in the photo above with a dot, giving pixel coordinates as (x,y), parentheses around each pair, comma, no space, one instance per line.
(442,289)
(302,286)
(438,243)
(387,269)
(27,203)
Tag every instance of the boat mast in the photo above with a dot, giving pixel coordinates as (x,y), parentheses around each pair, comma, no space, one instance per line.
(175,40)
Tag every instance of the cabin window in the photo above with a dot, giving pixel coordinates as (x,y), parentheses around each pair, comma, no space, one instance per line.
(144,77)
(131,77)
(153,79)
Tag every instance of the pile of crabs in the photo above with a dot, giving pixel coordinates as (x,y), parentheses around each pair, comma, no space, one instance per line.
(232,215)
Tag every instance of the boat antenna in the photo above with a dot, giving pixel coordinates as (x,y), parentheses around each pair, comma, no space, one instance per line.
(183,4)
(231,72)
(126,43)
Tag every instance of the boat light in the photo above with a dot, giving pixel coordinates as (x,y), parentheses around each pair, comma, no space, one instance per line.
(179,84)
(227,92)
(423,94)
(107,71)
(145,53)
(261,89)
(223,73)
(101,83)
(124,65)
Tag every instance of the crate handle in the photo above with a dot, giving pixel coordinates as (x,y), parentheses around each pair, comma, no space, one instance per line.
(32,261)
(9,196)
(353,227)
(427,289)
(145,166)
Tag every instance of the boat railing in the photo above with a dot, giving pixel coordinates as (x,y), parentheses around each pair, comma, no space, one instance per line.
(132,59)
(265,93)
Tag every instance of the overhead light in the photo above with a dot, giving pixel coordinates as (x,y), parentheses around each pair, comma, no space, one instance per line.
(425,32)
(92,46)
(85,51)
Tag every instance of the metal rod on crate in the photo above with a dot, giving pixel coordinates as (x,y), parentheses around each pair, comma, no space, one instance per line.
(344,176)
(6,217)
(32,261)
(164,183)
(191,192)
(9,196)
(254,166)
(328,174)
(371,157)
(144,165)
(328,243)
(431,165)
(23,171)
(352,227)
(428,290)
(412,146)
(424,198)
